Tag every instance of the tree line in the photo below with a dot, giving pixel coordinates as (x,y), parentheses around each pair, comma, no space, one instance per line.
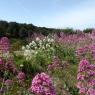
(19,30)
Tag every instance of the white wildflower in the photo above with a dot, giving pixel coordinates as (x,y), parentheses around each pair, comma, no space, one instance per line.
(21,65)
(47,45)
(36,52)
(52,40)
(26,52)
(48,40)
(35,47)
(33,43)
(23,48)
(43,47)
(30,44)
(27,46)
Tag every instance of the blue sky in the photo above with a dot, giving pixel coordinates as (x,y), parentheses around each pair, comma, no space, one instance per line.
(78,14)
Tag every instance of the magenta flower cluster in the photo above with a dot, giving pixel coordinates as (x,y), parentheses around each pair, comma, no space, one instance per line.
(7,66)
(42,85)
(70,40)
(4,44)
(21,76)
(8,82)
(82,51)
(86,78)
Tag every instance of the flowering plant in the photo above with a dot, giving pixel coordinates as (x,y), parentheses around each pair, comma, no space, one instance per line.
(86,78)
(33,48)
(42,84)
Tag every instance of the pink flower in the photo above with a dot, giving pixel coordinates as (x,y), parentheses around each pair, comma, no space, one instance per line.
(86,78)
(91,73)
(79,85)
(4,42)
(42,84)
(91,67)
(55,63)
(91,91)
(10,66)
(80,77)
(50,66)
(83,65)
(21,76)
(82,91)
(1,61)
(8,82)
(91,82)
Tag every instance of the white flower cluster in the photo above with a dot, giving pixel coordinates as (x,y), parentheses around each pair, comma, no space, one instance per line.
(6,55)
(38,45)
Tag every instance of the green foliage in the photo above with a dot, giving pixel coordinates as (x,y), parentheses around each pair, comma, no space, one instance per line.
(16,44)
(73,90)
(42,58)
(29,67)
(66,54)
(68,31)
(23,32)
(88,30)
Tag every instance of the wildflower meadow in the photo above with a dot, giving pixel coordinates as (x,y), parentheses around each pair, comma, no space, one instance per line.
(53,64)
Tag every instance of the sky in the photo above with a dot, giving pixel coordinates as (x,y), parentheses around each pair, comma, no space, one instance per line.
(77,14)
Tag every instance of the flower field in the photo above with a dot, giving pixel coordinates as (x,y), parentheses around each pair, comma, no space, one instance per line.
(57,64)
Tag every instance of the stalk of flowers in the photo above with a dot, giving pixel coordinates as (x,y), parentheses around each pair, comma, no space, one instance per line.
(42,85)
(3,75)
(86,50)
(86,78)
(4,48)
(20,78)
(55,63)
(8,82)
(4,44)
(6,67)
(21,75)
(82,51)
(9,66)
(92,50)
